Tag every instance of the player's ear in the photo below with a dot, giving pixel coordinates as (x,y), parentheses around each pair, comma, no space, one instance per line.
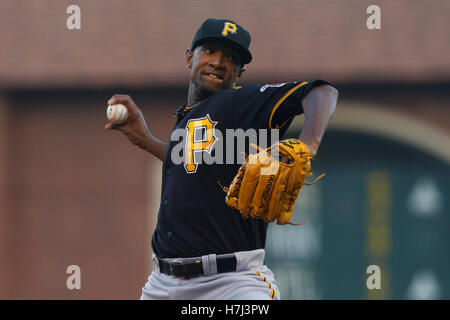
(189,55)
(241,72)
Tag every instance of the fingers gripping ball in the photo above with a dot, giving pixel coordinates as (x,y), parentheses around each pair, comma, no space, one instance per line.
(269,182)
(117,113)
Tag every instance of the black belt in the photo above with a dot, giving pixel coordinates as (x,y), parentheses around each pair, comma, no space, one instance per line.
(194,268)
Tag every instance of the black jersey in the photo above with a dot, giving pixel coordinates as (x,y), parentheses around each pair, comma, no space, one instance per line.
(193,218)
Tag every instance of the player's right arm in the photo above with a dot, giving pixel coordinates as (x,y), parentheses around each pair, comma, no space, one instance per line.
(136,129)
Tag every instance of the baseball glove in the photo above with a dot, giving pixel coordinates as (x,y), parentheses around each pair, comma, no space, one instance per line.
(268,184)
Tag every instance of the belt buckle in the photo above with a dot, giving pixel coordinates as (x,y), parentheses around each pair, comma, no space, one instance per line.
(181,264)
(171,270)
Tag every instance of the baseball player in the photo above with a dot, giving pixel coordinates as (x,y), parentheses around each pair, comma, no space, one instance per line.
(204,248)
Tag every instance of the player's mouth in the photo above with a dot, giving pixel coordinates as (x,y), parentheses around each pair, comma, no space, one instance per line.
(214,76)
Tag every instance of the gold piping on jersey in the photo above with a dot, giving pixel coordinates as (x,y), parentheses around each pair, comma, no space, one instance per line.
(280,102)
(269,285)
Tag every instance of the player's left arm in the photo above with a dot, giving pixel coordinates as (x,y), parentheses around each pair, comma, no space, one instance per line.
(318,106)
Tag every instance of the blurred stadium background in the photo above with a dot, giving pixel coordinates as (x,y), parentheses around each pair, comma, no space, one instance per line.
(73,194)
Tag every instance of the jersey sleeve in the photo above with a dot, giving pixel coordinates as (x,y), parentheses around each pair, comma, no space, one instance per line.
(270,106)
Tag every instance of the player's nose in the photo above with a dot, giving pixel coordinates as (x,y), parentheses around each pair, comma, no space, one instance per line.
(217,60)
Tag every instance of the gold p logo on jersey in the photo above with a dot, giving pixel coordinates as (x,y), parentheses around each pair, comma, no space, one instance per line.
(229,27)
(200,137)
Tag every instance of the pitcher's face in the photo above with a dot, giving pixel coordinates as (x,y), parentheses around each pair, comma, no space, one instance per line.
(214,66)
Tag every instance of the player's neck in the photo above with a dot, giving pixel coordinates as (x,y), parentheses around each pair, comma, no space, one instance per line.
(196,96)
(193,97)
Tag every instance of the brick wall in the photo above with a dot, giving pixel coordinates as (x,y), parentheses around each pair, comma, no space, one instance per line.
(4,183)
(142,42)
(77,195)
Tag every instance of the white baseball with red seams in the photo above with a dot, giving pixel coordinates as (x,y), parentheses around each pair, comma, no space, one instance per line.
(117,114)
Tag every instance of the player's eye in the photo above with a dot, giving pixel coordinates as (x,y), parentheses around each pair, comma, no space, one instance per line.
(208,50)
(233,58)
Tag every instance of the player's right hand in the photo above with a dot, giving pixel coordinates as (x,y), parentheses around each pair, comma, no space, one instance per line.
(135,128)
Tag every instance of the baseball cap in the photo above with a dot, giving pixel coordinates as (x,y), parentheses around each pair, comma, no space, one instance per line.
(224,30)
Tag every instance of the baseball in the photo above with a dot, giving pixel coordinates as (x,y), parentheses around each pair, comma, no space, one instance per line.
(117,113)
